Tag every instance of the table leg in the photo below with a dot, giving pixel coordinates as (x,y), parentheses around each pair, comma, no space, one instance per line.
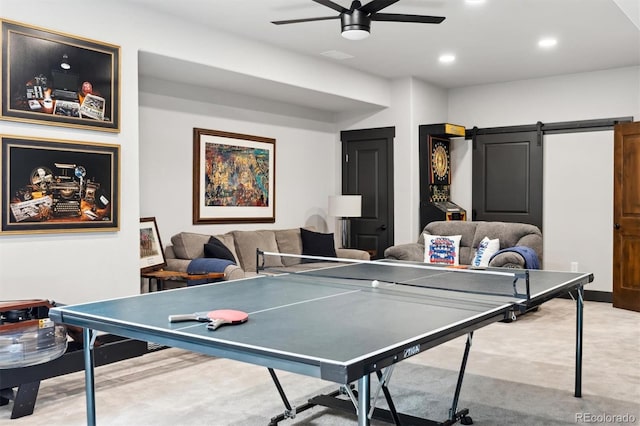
(89,376)
(579,326)
(453,412)
(159,283)
(363,400)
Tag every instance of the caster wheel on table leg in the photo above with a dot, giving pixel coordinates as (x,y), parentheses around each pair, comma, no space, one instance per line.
(466,420)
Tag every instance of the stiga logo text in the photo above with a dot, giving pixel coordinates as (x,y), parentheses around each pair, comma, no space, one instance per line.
(411,351)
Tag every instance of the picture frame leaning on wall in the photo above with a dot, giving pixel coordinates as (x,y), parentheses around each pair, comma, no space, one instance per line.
(151,250)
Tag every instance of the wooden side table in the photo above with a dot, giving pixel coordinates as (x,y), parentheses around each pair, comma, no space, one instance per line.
(161,276)
(372,252)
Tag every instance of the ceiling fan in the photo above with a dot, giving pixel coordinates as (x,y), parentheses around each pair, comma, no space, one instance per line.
(356,21)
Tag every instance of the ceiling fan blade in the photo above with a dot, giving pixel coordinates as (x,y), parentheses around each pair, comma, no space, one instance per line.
(394,17)
(295,21)
(332,5)
(376,5)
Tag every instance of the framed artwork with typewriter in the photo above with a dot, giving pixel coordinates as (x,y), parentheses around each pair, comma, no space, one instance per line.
(54,78)
(59,186)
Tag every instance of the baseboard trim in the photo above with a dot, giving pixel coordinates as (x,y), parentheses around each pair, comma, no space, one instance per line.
(594,296)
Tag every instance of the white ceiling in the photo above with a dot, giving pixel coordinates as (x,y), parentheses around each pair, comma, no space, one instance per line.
(493,42)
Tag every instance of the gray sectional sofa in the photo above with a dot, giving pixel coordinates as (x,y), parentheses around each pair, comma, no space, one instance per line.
(187,246)
(509,234)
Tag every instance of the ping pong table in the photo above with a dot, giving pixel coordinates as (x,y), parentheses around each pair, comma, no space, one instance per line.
(338,323)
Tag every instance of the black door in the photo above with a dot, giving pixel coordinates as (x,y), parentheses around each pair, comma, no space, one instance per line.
(367,169)
(507,177)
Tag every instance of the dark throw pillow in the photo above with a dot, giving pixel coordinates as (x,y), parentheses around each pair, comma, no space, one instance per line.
(317,244)
(216,249)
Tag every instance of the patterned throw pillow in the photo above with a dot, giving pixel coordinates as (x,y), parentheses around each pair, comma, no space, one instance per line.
(486,249)
(444,250)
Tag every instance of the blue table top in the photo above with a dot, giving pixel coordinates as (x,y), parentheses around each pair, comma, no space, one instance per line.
(328,327)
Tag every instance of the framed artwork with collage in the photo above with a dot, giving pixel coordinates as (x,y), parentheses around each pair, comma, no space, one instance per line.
(233,177)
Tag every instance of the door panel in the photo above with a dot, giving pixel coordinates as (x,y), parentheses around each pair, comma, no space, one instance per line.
(510,195)
(507,178)
(368,171)
(626,217)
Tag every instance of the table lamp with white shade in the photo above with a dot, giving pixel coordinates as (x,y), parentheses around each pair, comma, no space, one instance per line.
(345,207)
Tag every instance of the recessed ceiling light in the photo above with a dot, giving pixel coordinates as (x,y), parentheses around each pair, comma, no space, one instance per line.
(447,58)
(547,42)
(474,2)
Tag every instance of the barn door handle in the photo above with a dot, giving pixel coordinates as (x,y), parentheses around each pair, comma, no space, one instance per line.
(617,226)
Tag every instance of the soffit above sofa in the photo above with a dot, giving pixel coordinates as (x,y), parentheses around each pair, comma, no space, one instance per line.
(202,82)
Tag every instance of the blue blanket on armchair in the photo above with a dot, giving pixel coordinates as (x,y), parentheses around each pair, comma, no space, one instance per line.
(203,265)
(528,254)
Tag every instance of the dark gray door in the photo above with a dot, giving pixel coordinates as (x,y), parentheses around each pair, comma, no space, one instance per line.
(367,169)
(507,177)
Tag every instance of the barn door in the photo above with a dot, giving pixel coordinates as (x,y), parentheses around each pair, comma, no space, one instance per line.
(507,177)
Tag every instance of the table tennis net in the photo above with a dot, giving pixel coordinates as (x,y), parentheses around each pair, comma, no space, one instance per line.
(387,273)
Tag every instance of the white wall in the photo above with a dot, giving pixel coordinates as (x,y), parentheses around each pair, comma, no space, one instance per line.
(428,106)
(72,268)
(579,204)
(305,158)
(76,267)
(413,102)
(79,267)
(578,168)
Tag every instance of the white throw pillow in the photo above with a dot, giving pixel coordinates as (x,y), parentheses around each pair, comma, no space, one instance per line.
(486,249)
(444,250)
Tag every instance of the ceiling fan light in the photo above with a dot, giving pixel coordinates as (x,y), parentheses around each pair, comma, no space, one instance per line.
(355,25)
(355,34)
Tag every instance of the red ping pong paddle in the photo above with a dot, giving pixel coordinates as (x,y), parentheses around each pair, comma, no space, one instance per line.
(214,318)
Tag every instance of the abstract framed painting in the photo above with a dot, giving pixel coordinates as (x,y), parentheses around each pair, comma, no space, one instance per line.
(233,177)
